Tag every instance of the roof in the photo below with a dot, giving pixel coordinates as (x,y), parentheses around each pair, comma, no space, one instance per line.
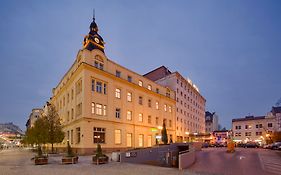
(158,73)
(248,118)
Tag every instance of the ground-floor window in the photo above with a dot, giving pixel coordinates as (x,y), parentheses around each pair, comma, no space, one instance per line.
(129,139)
(149,141)
(141,140)
(78,135)
(99,135)
(117,134)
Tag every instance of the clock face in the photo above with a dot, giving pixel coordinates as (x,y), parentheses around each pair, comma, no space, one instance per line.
(97,40)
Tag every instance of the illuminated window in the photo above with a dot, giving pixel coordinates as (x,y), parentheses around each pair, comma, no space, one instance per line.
(117,93)
(93,107)
(117,136)
(140,83)
(99,135)
(165,107)
(129,139)
(157,105)
(129,96)
(104,109)
(149,87)
(170,108)
(98,109)
(141,140)
(129,115)
(140,117)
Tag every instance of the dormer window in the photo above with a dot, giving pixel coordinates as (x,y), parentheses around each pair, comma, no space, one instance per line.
(149,87)
(140,83)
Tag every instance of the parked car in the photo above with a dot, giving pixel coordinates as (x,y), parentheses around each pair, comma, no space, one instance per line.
(279,148)
(240,145)
(205,145)
(251,145)
(268,146)
(276,145)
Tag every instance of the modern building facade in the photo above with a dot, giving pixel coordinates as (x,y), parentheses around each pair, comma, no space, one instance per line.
(100,101)
(253,129)
(211,122)
(190,104)
(34,115)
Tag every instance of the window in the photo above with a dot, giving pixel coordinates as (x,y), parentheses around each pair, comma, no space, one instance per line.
(71,136)
(99,135)
(118,74)
(149,87)
(99,87)
(93,85)
(98,109)
(78,86)
(67,98)
(78,135)
(170,123)
(157,90)
(129,78)
(93,107)
(129,139)
(149,119)
(140,83)
(168,93)
(149,103)
(165,107)
(118,113)
(157,105)
(141,140)
(117,93)
(140,100)
(129,96)
(67,116)
(258,133)
(96,64)
(72,92)
(269,125)
(129,115)
(79,109)
(101,66)
(72,113)
(246,126)
(140,117)
(117,137)
(149,140)
(104,88)
(170,108)
(104,109)
(247,133)
(157,121)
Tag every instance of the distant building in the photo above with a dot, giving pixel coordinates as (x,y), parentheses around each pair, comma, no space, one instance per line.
(220,136)
(190,104)
(253,129)
(276,112)
(211,122)
(34,115)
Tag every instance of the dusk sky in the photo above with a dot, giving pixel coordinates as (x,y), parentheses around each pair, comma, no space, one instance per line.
(230,49)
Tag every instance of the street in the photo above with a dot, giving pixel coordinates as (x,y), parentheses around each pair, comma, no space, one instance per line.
(210,161)
(244,161)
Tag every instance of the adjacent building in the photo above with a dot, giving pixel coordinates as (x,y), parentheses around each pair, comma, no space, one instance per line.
(211,122)
(190,104)
(276,112)
(253,129)
(34,115)
(100,101)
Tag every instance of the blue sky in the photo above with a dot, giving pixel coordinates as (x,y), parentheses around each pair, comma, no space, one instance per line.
(230,49)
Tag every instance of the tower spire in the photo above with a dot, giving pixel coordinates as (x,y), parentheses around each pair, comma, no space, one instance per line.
(94,14)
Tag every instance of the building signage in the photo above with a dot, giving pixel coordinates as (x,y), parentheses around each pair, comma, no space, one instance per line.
(131,154)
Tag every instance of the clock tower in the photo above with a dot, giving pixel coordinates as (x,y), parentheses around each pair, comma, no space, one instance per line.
(93,40)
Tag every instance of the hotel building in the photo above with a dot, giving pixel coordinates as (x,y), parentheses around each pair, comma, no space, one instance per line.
(253,129)
(190,104)
(100,101)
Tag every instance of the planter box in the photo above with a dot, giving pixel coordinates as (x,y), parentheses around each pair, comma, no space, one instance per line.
(41,160)
(100,160)
(69,160)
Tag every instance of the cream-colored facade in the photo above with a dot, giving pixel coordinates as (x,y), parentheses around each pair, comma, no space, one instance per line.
(100,101)
(190,104)
(253,129)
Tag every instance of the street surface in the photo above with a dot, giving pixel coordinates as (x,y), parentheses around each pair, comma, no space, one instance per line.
(210,161)
(244,161)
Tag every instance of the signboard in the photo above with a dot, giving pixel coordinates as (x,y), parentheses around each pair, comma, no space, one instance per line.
(131,154)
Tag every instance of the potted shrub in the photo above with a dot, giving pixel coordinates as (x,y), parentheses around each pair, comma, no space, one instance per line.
(40,159)
(70,157)
(99,157)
